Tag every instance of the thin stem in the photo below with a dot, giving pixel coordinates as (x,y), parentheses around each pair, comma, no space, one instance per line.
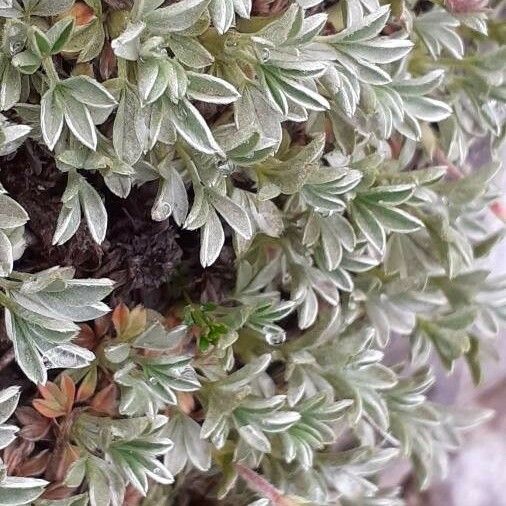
(52,75)
(259,484)
(122,69)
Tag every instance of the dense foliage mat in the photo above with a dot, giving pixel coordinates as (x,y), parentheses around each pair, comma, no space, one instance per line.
(287,203)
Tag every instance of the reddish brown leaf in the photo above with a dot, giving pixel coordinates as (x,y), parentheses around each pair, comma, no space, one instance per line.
(63,456)
(16,453)
(132,497)
(49,409)
(107,63)
(57,401)
(34,466)
(128,323)
(57,491)
(68,388)
(82,13)
(88,385)
(120,317)
(105,401)
(86,337)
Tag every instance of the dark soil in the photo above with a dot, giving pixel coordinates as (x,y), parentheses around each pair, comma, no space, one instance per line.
(151,262)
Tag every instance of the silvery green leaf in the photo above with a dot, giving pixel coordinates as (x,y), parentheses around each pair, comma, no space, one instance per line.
(9,398)
(176,17)
(306,4)
(7,434)
(117,353)
(255,438)
(68,221)
(48,8)
(94,211)
(79,292)
(199,211)
(40,43)
(177,80)
(419,85)
(68,356)
(189,51)
(367,28)
(79,120)
(51,117)
(27,356)
(171,198)
(12,215)
(153,79)
(254,113)
(427,109)
(232,213)
(119,184)
(395,219)
(76,500)
(391,195)
(6,257)
(16,490)
(89,92)
(381,50)
(368,225)
(10,86)
(157,337)
(191,126)
(302,94)
(12,136)
(222,14)
(242,7)
(188,445)
(125,136)
(211,240)
(59,34)
(211,89)
(128,45)
(243,376)
(27,62)
(438,30)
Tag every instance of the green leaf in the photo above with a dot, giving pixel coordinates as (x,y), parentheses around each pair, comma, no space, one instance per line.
(79,120)
(27,62)
(46,8)
(17,490)
(232,213)
(125,136)
(10,86)
(51,117)
(27,355)
(12,215)
(94,211)
(59,34)
(176,17)
(191,126)
(368,225)
(6,257)
(188,445)
(89,92)
(190,52)
(212,240)
(211,89)
(41,43)
(394,219)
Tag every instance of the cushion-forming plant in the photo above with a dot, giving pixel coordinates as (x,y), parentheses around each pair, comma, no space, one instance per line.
(332,145)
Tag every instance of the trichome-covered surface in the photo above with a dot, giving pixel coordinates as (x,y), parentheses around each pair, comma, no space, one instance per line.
(275,197)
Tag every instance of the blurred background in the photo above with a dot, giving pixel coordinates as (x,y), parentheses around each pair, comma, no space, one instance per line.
(477,473)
